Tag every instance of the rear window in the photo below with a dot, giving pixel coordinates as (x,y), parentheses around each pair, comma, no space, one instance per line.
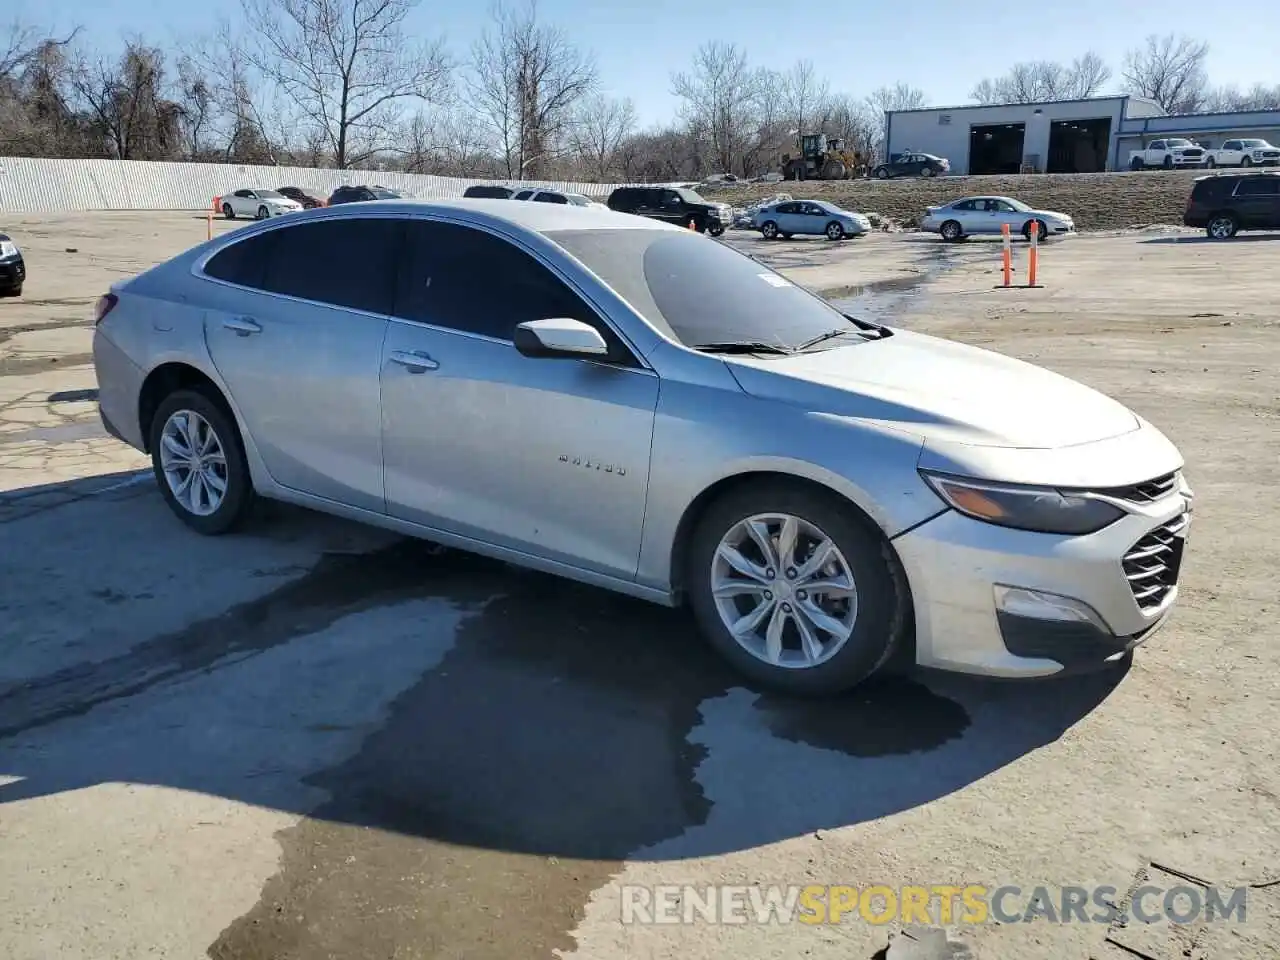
(699,291)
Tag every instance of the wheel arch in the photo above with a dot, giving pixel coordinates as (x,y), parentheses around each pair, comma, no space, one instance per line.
(164,380)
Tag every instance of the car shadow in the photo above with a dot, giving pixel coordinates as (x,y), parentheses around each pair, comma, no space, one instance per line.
(480,706)
(1239,238)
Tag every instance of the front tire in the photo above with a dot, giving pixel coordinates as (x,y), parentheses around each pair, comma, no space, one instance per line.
(834,231)
(1246,162)
(199,462)
(263,213)
(1210,163)
(928,172)
(795,589)
(1042,233)
(715,231)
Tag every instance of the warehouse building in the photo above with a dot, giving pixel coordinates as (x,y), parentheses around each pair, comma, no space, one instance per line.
(1066,136)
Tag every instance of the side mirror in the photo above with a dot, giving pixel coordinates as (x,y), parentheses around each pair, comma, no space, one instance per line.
(560,337)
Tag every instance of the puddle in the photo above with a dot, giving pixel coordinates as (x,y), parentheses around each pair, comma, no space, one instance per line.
(881,301)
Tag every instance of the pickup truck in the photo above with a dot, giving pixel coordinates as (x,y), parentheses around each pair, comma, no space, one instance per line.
(1170,153)
(1244,153)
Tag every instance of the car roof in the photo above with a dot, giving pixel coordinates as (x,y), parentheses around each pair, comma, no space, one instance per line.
(537,217)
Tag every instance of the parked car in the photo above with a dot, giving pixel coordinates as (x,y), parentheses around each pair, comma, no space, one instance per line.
(1243,153)
(488,191)
(257,203)
(362,194)
(1224,204)
(912,165)
(987,215)
(309,201)
(662,416)
(678,205)
(13,270)
(789,218)
(1168,153)
(539,195)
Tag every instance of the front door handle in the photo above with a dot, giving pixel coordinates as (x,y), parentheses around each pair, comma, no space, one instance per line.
(243,326)
(415,361)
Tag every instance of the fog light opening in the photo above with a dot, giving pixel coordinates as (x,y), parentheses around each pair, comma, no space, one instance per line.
(1040,605)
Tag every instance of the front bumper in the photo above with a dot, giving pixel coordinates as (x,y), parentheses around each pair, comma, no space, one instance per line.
(12,273)
(1008,603)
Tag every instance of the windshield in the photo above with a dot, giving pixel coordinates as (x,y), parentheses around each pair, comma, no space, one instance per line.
(1016,204)
(1254,143)
(1180,143)
(577,199)
(269,195)
(688,196)
(701,292)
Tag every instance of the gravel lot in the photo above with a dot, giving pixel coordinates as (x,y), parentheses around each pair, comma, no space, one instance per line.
(1097,201)
(316,741)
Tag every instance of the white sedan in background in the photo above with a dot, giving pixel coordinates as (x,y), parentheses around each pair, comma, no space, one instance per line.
(988,215)
(259,204)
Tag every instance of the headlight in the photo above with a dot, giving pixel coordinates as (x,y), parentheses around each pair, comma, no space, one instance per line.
(8,249)
(1038,509)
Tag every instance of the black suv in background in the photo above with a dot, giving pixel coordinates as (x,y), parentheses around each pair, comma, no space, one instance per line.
(488,191)
(309,201)
(12,269)
(673,205)
(1226,203)
(362,193)
(912,165)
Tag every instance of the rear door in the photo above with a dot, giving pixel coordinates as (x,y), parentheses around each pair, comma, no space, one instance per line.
(1257,202)
(295,329)
(787,216)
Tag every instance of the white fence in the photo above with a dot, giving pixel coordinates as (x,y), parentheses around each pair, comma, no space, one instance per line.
(39,186)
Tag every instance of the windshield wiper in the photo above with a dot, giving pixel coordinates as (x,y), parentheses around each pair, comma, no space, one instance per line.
(829,335)
(742,346)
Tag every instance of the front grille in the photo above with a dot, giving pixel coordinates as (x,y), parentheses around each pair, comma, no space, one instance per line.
(1151,566)
(1149,491)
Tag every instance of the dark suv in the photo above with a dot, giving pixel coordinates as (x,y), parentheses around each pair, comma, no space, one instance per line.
(673,205)
(309,201)
(488,191)
(1230,202)
(362,193)
(12,269)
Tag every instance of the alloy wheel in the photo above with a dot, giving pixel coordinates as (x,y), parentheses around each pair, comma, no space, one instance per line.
(784,591)
(1220,228)
(194,463)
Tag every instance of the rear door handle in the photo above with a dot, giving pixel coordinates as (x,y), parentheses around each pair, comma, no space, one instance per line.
(243,326)
(415,361)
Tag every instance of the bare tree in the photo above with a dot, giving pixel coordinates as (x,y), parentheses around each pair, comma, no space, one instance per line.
(1036,81)
(348,65)
(1230,98)
(882,100)
(1169,70)
(771,122)
(528,78)
(858,123)
(197,101)
(806,96)
(718,94)
(599,129)
(125,103)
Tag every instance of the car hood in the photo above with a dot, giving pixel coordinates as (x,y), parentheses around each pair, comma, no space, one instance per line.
(1051,214)
(939,389)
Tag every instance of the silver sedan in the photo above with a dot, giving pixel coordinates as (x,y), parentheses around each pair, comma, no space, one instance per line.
(789,218)
(989,215)
(636,406)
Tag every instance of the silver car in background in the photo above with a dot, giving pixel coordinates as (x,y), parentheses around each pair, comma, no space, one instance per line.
(635,406)
(790,218)
(975,216)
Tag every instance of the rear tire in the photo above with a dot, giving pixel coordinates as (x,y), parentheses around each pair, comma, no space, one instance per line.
(1136,164)
(1221,226)
(874,613)
(769,230)
(952,231)
(227,212)
(177,438)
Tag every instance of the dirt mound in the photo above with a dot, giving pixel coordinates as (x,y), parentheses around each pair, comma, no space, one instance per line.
(1097,201)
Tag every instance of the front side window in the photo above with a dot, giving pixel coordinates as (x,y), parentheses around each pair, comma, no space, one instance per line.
(344,262)
(467,280)
(701,293)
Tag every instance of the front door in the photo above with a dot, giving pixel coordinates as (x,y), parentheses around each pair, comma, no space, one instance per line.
(298,341)
(548,457)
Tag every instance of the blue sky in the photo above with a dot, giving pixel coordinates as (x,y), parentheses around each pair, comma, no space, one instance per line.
(942,46)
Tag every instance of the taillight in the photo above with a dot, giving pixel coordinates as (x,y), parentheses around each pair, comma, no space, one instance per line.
(106,303)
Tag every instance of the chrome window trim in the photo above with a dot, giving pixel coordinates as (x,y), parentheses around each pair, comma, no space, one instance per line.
(364,213)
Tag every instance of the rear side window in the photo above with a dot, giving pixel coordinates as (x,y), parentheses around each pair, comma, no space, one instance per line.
(1267,186)
(242,262)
